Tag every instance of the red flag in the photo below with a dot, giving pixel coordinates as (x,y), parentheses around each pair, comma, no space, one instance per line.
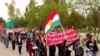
(52,21)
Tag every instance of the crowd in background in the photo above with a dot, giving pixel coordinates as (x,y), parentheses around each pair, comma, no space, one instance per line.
(36,44)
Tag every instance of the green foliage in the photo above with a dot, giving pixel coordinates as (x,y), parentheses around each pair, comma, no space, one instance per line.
(11,11)
(31,4)
(76,20)
(37,15)
(60,2)
(93,17)
(2,21)
(20,22)
(98,41)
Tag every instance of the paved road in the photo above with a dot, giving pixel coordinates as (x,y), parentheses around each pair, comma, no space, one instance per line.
(9,52)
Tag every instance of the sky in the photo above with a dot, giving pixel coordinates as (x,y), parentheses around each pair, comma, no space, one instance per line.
(21,4)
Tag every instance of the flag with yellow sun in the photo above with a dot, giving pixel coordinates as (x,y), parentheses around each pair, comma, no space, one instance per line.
(52,21)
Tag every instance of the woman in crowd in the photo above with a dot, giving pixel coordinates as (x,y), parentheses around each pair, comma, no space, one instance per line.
(42,46)
(29,45)
(13,40)
(78,47)
(6,40)
(19,43)
(37,43)
(24,35)
(31,35)
(27,41)
(92,45)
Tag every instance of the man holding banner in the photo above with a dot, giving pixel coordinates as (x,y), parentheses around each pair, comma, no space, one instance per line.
(52,21)
(54,38)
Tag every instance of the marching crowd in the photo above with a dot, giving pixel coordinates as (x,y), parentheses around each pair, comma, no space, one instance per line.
(36,44)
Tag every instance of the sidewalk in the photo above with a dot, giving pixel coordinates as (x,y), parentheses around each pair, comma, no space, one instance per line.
(9,52)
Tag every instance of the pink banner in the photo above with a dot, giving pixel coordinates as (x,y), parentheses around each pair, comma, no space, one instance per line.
(71,35)
(54,38)
(10,31)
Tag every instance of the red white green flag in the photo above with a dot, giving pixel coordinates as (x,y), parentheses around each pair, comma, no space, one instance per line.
(52,21)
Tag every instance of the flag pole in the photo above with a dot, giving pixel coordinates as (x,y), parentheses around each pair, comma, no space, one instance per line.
(63,31)
(62,27)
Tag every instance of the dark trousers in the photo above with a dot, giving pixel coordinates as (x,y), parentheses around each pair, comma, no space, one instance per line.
(78,55)
(59,49)
(43,54)
(67,53)
(52,50)
(19,48)
(13,45)
(26,47)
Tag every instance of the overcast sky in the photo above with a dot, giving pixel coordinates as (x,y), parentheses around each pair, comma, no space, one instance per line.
(21,4)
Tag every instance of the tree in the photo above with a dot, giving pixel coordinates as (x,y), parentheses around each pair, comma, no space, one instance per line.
(18,13)
(76,20)
(60,2)
(2,21)
(90,11)
(31,4)
(11,9)
(92,14)
(37,15)
(20,22)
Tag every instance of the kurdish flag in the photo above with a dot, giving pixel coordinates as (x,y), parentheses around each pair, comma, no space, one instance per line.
(52,21)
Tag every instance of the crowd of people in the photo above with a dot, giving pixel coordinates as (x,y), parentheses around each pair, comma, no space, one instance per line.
(36,44)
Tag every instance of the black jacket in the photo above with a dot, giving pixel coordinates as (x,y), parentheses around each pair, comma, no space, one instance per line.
(92,45)
(19,43)
(65,51)
(43,49)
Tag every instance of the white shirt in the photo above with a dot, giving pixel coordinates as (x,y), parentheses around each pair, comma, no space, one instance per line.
(19,39)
